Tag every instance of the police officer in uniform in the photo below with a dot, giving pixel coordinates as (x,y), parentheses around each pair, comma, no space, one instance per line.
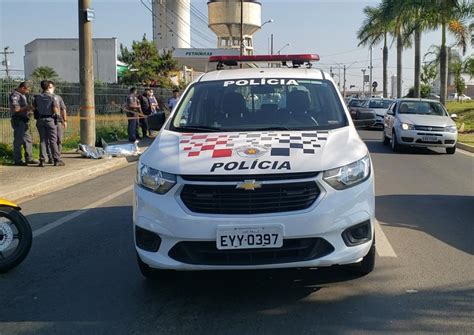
(61,127)
(19,110)
(133,106)
(48,109)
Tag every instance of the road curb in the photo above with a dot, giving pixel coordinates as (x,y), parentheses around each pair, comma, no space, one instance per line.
(66,180)
(465,147)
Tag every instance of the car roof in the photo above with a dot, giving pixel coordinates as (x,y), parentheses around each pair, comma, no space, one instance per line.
(291,73)
(417,99)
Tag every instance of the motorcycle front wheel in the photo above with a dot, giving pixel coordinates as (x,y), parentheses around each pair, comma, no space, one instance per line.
(15,238)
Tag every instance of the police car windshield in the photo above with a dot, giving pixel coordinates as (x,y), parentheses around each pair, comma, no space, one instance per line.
(260,104)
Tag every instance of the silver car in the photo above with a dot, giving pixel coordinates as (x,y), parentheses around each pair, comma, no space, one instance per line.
(419,123)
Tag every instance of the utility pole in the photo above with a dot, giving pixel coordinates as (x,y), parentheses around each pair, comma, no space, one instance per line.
(370,76)
(271,44)
(86,73)
(242,44)
(344,83)
(363,82)
(5,54)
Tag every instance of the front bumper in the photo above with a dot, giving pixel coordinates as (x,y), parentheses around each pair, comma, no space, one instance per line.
(418,138)
(331,214)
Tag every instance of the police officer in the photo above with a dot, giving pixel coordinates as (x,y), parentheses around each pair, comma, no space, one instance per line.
(47,106)
(61,127)
(133,107)
(20,110)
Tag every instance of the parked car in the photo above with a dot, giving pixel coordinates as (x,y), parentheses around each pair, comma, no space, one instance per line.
(455,97)
(237,185)
(419,123)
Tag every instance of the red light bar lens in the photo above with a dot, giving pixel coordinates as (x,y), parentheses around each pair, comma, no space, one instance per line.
(266,58)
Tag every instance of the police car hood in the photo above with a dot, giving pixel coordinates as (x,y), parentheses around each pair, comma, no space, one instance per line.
(249,153)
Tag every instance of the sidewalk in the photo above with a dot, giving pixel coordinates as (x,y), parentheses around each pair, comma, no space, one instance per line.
(19,183)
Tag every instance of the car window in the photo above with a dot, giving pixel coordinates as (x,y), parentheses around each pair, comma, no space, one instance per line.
(254,104)
(422,108)
(356,103)
(380,104)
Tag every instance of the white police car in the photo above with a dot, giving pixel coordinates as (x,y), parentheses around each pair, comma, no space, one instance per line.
(256,168)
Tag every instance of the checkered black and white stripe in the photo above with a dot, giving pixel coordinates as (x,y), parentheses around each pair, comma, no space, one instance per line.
(278,144)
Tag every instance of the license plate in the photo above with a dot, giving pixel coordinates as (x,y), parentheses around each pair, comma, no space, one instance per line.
(249,237)
(429,139)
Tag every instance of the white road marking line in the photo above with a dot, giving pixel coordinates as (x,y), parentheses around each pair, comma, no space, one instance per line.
(79,212)
(383,246)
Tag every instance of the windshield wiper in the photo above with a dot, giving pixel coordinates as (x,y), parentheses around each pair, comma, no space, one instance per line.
(198,128)
(268,128)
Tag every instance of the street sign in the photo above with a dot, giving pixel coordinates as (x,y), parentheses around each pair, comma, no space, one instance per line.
(366,79)
(90,14)
(375,84)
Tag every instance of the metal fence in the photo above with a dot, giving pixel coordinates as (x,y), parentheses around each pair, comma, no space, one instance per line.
(109,99)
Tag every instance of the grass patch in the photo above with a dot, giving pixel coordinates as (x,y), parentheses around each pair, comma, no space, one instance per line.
(465,112)
(466,138)
(6,154)
(71,143)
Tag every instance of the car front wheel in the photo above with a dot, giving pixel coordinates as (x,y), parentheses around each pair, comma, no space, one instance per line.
(366,265)
(395,146)
(451,151)
(386,140)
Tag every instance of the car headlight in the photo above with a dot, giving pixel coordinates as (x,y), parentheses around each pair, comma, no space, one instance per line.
(407,126)
(348,175)
(155,180)
(451,129)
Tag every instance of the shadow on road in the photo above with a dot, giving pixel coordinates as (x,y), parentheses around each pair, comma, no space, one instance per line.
(446,217)
(376,146)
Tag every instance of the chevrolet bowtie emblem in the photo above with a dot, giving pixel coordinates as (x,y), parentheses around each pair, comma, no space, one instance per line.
(249,185)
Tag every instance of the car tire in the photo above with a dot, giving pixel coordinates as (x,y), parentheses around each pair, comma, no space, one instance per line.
(150,273)
(451,151)
(366,265)
(395,146)
(386,140)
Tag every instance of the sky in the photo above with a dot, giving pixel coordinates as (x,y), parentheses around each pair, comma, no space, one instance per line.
(327,28)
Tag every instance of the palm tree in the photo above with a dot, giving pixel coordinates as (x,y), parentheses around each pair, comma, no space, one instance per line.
(44,73)
(374,29)
(400,24)
(451,15)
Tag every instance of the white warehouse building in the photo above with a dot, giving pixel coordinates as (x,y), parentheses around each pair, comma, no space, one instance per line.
(62,54)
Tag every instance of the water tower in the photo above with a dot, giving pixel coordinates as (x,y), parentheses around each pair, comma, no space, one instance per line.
(228,17)
(171,24)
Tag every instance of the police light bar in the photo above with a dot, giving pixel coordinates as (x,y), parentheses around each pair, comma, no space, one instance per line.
(295,59)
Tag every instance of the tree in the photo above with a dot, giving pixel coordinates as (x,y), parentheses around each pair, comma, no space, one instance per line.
(44,73)
(450,16)
(400,19)
(145,64)
(425,91)
(374,29)
(469,66)
(429,73)
(459,82)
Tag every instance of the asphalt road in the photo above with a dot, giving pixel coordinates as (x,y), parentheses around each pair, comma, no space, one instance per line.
(81,275)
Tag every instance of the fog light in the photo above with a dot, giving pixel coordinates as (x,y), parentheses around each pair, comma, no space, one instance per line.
(147,240)
(357,234)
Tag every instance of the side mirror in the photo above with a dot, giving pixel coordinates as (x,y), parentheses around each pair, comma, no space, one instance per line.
(156,121)
(454,116)
(364,119)
(390,112)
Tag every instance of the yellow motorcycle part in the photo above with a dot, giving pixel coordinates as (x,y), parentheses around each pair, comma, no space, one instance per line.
(7,203)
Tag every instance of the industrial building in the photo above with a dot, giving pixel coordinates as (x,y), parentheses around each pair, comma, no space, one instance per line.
(172,30)
(62,54)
